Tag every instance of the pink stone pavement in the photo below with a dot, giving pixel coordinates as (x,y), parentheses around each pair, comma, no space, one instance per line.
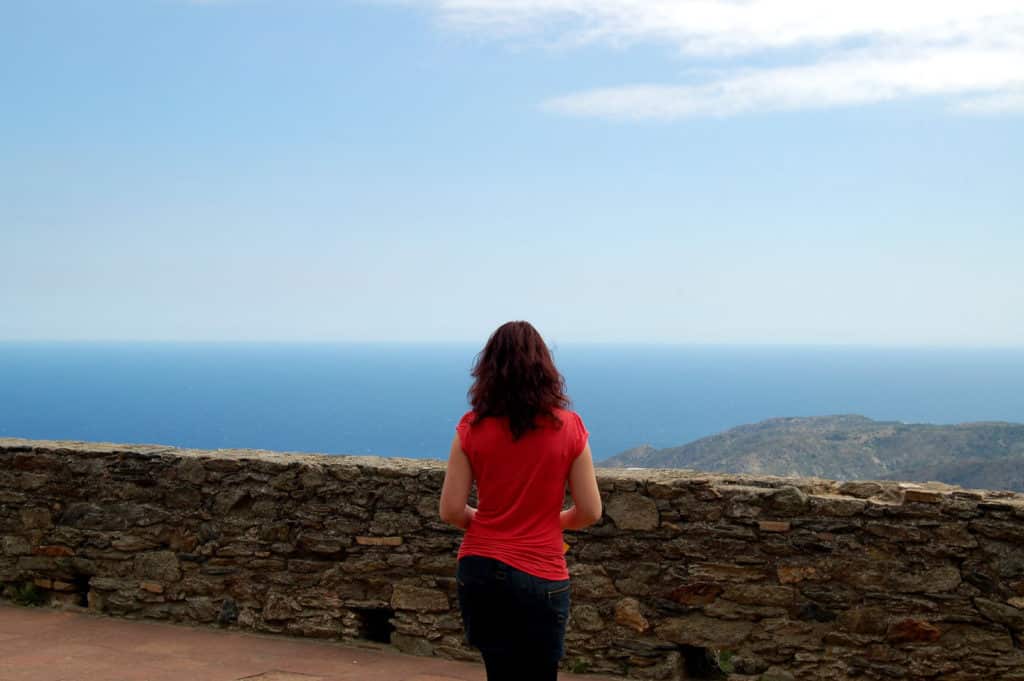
(40,644)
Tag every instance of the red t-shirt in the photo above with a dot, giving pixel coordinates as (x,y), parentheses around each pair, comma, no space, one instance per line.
(520,490)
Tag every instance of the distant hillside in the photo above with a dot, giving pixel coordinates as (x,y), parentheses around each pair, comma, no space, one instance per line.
(851,447)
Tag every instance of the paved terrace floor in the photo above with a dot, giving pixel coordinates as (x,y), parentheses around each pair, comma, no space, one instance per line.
(45,644)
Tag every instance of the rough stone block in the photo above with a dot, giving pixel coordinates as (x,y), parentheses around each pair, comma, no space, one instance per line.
(921,496)
(202,608)
(707,632)
(725,572)
(13,545)
(406,597)
(700,593)
(862,489)
(161,566)
(787,500)
(109,584)
(791,574)
(760,594)
(912,630)
(392,523)
(129,543)
(36,518)
(319,543)
(1002,613)
(632,511)
(412,645)
(773,525)
(627,613)
(587,618)
(53,550)
(836,506)
(591,582)
(379,541)
(280,607)
(869,620)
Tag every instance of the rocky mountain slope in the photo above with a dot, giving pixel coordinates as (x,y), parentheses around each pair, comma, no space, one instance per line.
(851,447)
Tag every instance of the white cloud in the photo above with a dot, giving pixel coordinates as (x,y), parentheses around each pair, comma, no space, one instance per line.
(852,51)
(862,79)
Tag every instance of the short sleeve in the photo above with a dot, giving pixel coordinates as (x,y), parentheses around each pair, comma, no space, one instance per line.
(463,428)
(578,436)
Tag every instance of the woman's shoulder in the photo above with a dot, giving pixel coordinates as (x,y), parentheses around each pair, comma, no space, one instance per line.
(568,420)
(575,432)
(463,428)
(566,414)
(466,420)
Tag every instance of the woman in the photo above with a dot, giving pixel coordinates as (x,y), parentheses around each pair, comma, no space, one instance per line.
(521,445)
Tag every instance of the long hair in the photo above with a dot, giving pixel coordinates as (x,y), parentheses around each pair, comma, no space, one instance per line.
(515,377)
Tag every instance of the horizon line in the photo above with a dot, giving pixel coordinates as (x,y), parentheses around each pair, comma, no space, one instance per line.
(553,345)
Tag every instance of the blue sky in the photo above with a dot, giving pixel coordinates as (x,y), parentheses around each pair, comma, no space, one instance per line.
(781,171)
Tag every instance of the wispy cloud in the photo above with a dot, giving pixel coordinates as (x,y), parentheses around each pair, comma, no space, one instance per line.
(859,79)
(851,52)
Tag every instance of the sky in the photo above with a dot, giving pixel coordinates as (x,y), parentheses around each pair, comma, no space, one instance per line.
(685,171)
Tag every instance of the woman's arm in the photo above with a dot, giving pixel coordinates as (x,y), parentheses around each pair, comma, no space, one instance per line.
(458,480)
(586,509)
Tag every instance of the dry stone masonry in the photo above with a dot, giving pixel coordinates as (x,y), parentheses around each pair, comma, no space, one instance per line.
(688,575)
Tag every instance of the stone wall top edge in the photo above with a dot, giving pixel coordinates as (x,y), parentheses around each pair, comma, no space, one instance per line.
(813,486)
(16,445)
(672,477)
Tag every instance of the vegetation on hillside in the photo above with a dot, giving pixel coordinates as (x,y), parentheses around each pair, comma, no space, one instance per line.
(850,447)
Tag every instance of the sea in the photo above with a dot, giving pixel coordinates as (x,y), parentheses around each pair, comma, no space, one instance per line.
(398,399)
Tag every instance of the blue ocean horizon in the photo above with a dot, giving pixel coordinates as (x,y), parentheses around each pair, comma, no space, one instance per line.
(395,399)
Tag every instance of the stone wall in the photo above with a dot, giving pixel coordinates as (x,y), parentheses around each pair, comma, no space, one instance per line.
(767,578)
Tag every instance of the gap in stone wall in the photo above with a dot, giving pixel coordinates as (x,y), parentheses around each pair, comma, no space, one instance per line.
(375,624)
(700,663)
(81,590)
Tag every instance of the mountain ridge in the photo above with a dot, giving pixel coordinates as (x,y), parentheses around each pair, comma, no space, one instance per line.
(983,454)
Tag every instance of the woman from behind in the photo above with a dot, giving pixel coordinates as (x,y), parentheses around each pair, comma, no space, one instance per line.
(521,445)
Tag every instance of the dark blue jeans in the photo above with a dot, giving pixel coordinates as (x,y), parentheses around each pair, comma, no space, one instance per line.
(516,620)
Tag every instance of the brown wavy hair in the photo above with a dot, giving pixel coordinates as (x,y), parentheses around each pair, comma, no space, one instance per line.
(515,377)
